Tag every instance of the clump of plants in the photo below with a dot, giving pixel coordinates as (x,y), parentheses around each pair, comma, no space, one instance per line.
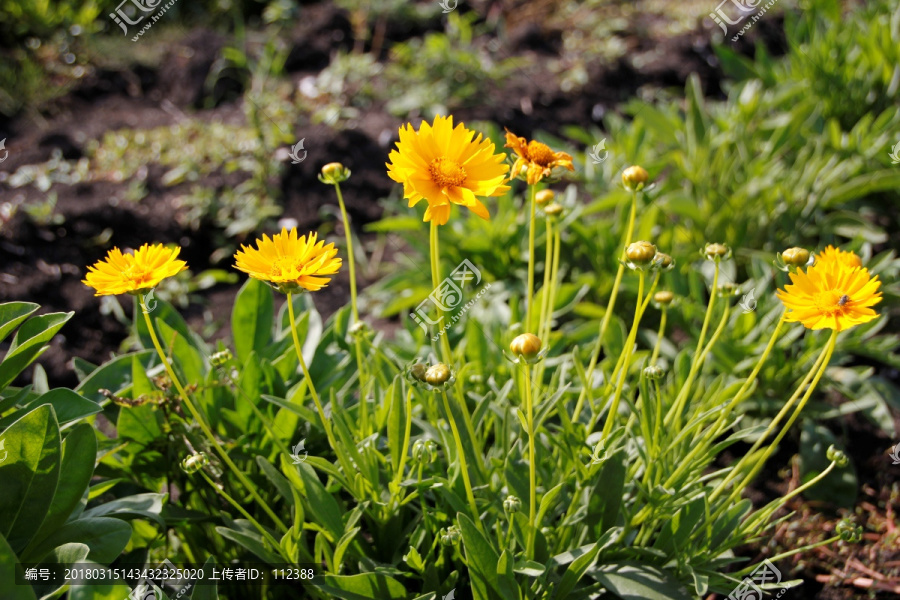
(478,450)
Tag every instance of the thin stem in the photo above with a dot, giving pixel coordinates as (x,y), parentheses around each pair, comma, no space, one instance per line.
(677,407)
(532,479)
(237,506)
(398,475)
(470,496)
(251,489)
(531,226)
(352,258)
(626,353)
(659,336)
(326,423)
(610,306)
(763,514)
(545,290)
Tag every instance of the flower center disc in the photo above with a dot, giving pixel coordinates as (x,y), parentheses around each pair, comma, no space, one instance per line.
(540,153)
(446,172)
(282,266)
(136,274)
(830,302)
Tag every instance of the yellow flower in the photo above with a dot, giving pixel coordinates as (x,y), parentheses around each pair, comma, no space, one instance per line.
(835,255)
(831,296)
(121,273)
(289,263)
(444,166)
(539,159)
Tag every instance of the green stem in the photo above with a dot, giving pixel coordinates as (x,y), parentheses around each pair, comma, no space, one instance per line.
(326,423)
(251,489)
(262,530)
(532,479)
(531,227)
(545,290)
(610,306)
(463,467)
(352,258)
(398,475)
(677,407)
(627,352)
(763,514)
(789,553)
(659,336)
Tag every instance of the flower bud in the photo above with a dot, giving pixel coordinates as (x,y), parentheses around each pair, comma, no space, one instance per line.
(654,372)
(635,177)
(796,257)
(194,462)
(358,329)
(553,209)
(449,536)
(417,372)
(544,196)
(437,375)
(663,261)
(640,253)
(728,289)
(849,532)
(512,504)
(334,173)
(526,345)
(717,252)
(663,297)
(424,451)
(839,457)
(220,358)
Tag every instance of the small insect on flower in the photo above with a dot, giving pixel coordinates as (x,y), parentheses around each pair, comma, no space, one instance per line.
(831,295)
(135,274)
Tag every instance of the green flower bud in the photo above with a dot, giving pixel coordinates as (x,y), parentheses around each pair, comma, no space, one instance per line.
(849,532)
(194,462)
(424,451)
(634,178)
(553,209)
(837,456)
(220,358)
(512,504)
(450,536)
(334,173)
(640,253)
(654,372)
(717,252)
(437,375)
(663,261)
(795,256)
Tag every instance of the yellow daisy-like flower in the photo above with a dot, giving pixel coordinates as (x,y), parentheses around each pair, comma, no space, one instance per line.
(121,273)
(444,166)
(289,263)
(537,157)
(835,255)
(831,296)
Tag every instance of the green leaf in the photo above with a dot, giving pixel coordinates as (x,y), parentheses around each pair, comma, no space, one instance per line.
(9,564)
(104,536)
(322,506)
(364,586)
(29,474)
(13,313)
(481,556)
(29,343)
(114,375)
(79,455)
(147,506)
(251,541)
(838,487)
(104,590)
(252,319)
(636,581)
(396,421)
(206,592)
(278,480)
(67,405)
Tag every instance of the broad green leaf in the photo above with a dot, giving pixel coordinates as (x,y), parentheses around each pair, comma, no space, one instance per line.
(206,592)
(102,590)
(838,487)
(67,405)
(636,581)
(183,353)
(79,454)
(146,506)
(396,421)
(322,507)
(114,375)
(278,480)
(9,563)
(252,319)
(12,314)
(364,586)
(30,342)
(104,536)
(29,474)
(481,556)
